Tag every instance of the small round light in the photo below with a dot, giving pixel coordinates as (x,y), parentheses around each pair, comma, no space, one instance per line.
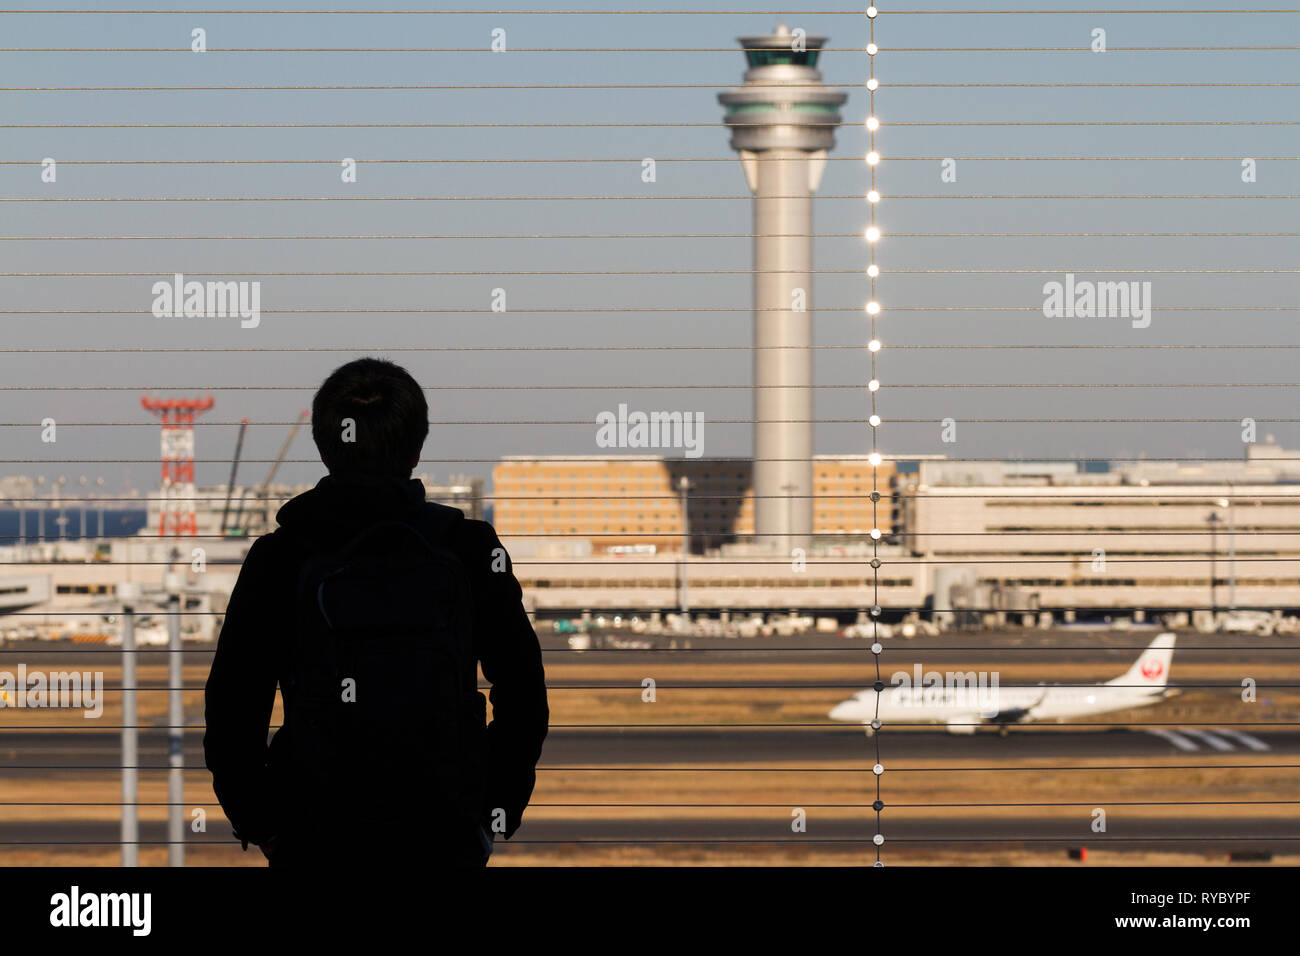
(871,12)
(873,123)
(878,769)
(872,49)
(873,385)
(873,308)
(874,458)
(872,234)
(875,533)
(874,421)
(878,839)
(873,196)
(873,84)
(873,270)
(872,158)
(874,345)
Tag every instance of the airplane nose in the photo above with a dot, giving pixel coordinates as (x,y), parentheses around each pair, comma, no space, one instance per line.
(842,711)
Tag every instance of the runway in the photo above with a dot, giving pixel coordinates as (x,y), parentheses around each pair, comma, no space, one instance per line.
(1109,650)
(26,753)
(724,770)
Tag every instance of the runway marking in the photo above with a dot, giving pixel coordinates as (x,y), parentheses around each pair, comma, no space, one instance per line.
(1254,743)
(1179,741)
(1216,742)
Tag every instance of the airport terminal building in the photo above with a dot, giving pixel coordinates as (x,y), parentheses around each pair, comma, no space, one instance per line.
(1016,540)
(1014,537)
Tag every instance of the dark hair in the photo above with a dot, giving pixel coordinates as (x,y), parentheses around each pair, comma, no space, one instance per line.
(390,416)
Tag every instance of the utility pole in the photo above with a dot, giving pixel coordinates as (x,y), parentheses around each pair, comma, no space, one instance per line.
(684,486)
(1232,548)
(128,593)
(175,583)
(1214,520)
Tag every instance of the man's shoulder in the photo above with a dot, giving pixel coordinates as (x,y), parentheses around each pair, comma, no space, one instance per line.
(469,535)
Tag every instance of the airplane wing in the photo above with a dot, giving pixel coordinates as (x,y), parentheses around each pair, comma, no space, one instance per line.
(967,723)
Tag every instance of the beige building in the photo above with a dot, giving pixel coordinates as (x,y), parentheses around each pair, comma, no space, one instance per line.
(1140,535)
(621,501)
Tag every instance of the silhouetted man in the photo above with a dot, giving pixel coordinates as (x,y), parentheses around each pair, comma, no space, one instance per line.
(371,609)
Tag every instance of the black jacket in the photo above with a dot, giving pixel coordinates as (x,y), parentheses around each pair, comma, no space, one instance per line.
(257,638)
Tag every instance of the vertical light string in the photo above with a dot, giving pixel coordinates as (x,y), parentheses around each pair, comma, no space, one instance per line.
(873,347)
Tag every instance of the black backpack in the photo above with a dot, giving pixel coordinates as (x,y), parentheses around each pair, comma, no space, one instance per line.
(382,709)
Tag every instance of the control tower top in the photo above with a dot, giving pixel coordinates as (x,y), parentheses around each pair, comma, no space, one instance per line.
(783,104)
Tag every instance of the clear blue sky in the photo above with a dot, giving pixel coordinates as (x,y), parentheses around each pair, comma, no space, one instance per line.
(21,150)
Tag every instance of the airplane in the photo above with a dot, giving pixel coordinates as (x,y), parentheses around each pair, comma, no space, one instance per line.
(964,702)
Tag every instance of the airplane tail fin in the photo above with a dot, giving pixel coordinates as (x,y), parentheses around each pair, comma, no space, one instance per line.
(1152,668)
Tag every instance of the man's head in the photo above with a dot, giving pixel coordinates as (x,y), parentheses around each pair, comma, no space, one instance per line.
(370,417)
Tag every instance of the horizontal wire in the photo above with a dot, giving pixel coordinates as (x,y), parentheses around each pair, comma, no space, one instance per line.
(636,125)
(337,273)
(747,197)
(822,562)
(1081,421)
(116,769)
(1187,12)
(669,49)
(408,12)
(212,649)
(75,350)
(1005,159)
(1075,269)
(430,87)
(892,421)
(629,160)
(739,806)
(965,49)
(1042,346)
(635,687)
(864,841)
(635,309)
(712,421)
(855,12)
(749,236)
(884,495)
(844,729)
(648,386)
(552,310)
(1092,532)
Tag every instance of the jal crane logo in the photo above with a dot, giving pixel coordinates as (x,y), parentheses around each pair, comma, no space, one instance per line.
(1152,669)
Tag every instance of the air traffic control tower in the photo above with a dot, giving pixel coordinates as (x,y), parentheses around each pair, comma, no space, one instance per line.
(783,123)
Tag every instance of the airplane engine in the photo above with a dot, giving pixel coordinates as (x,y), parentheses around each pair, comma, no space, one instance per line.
(962,725)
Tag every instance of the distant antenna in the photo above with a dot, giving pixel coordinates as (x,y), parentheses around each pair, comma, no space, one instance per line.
(176,515)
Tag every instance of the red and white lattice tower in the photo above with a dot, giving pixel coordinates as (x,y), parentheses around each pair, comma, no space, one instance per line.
(176,514)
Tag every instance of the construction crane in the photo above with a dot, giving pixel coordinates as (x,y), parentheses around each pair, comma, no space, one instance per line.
(226,529)
(264,490)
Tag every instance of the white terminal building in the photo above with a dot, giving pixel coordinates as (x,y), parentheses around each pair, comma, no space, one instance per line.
(1013,537)
(63,587)
(1025,537)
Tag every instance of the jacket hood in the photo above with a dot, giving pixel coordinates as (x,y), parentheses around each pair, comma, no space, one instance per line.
(352,500)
